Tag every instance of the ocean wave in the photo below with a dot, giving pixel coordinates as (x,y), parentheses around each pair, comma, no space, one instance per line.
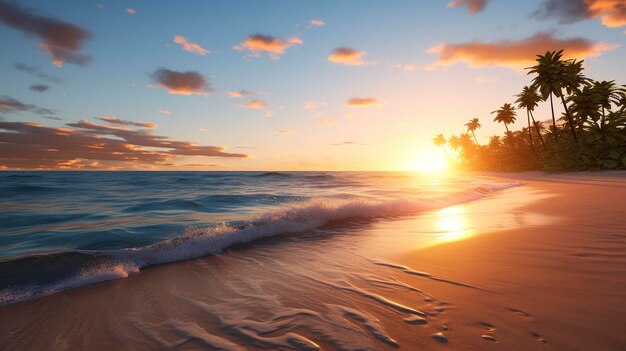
(289,218)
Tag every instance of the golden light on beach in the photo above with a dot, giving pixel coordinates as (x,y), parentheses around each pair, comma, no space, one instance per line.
(451,224)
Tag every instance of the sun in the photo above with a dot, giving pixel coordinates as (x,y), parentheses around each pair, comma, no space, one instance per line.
(429,161)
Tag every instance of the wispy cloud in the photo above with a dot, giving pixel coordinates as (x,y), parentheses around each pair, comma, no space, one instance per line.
(239,94)
(316,22)
(123,122)
(182,83)
(286,131)
(473,6)
(61,40)
(11,105)
(131,11)
(190,47)
(309,105)
(36,71)
(165,111)
(85,144)
(364,102)
(321,121)
(348,56)
(258,44)
(40,88)
(253,104)
(515,53)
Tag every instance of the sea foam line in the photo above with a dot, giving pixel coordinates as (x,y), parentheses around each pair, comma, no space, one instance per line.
(287,219)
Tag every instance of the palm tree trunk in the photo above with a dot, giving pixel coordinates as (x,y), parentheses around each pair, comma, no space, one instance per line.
(602,120)
(538,131)
(569,118)
(530,135)
(507,127)
(476,141)
(553,119)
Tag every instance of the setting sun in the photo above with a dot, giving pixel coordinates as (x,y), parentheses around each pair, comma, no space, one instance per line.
(429,161)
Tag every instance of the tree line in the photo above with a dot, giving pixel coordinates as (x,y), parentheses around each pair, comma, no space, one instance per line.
(589,135)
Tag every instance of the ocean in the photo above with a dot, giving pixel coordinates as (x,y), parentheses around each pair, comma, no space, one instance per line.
(61,230)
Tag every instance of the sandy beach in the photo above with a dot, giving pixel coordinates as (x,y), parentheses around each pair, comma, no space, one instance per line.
(541,266)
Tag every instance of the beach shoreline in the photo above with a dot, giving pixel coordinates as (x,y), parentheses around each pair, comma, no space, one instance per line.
(534,267)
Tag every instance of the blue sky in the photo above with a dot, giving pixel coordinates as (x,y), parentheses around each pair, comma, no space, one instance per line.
(416,97)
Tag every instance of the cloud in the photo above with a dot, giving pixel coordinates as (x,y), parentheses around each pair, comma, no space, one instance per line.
(202,129)
(348,142)
(253,104)
(190,47)
(239,94)
(286,131)
(86,144)
(612,13)
(309,105)
(131,11)
(181,83)
(258,44)
(474,6)
(40,88)
(11,105)
(62,41)
(516,53)
(321,121)
(36,71)
(164,111)
(348,56)
(363,102)
(123,122)
(316,22)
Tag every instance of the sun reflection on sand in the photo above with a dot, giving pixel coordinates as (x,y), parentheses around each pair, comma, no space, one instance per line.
(452,224)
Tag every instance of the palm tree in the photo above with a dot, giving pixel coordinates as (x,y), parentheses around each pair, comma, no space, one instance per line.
(585,106)
(552,76)
(506,114)
(529,99)
(608,94)
(454,142)
(439,140)
(472,125)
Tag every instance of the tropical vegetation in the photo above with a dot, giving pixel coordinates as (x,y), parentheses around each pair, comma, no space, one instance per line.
(589,135)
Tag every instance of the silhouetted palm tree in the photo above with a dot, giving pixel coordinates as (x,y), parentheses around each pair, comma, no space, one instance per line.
(454,143)
(609,95)
(472,125)
(529,99)
(439,140)
(506,114)
(552,76)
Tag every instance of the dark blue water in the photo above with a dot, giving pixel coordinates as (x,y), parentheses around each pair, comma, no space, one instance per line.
(64,229)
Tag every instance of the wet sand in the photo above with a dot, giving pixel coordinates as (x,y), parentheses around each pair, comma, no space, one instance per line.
(542,266)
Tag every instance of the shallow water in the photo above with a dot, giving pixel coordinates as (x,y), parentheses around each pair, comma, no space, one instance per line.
(61,230)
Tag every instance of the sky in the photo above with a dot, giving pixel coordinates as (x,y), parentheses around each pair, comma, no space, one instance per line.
(276,84)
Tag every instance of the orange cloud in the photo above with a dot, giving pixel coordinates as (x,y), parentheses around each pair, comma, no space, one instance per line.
(516,53)
(181,83)
(309,105)
(131,11)
(474,6)
(89,145)
(363,102)
(612,13)
(123,122)
(316,23)
(253,104)
(258,44)
(347,56)
(321,121)
(61,40)
(239,94)
(190,47)
(286,131)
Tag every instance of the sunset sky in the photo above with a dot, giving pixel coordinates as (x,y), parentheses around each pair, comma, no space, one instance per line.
(275,84)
